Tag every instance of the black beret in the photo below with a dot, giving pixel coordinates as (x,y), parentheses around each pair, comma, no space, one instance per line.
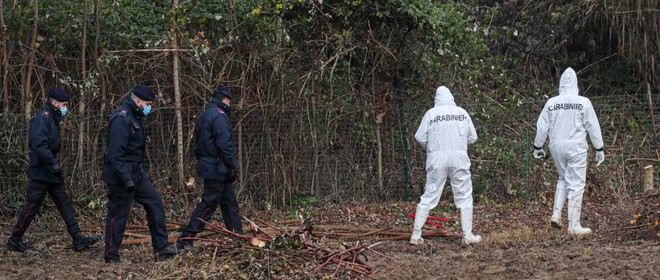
(144,92)
(222,92)
(59,95)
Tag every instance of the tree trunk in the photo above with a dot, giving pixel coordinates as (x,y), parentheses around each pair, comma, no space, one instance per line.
(97,65)
(28,77)
(315,174)
(379,143)
(5,61)
(177,100)
(83,91)
(96,57)
(241,179)
(650,100)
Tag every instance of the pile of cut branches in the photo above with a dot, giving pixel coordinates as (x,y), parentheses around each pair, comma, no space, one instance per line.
(648,217)
(297,245)
(284,249)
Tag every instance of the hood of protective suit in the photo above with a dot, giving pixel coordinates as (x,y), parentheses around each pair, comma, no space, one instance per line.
(443,96)
(568,83)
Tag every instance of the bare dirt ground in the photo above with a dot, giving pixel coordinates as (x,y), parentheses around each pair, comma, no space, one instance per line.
(518,244)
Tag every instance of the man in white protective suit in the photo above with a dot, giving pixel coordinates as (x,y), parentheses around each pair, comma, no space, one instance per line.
(445,132)
(567,119)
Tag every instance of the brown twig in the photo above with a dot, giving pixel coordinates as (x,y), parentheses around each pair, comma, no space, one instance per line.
(374,232)
(217,228)
(132,234)
(287,222)
(644,159)
(272,226)
(332,256)
(648,196)
(210,240)
(256,228)
(437,233)
(649,225)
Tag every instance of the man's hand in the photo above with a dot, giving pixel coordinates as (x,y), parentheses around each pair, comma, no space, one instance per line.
(600,157)
(57,169)
(129,186)
(233,176)
(539,153)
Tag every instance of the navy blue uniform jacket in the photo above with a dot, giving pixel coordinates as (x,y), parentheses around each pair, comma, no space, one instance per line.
(126,144)
(45,142)
(215,151)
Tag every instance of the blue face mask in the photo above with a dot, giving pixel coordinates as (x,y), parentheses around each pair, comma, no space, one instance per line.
(64,111)
(146,110)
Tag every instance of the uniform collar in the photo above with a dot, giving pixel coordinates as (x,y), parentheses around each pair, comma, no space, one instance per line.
(132,107)
(216,102)
(53,111)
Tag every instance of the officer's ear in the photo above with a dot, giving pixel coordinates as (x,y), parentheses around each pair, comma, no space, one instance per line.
(136,99)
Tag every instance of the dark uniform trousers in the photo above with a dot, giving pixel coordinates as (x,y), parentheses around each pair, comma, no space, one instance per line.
(36,193)
(119,206)
(216,193)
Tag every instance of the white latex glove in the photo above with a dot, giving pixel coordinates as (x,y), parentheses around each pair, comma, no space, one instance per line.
(600,157)
(539,153)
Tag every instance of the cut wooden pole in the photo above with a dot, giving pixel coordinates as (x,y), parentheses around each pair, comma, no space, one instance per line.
(648,178)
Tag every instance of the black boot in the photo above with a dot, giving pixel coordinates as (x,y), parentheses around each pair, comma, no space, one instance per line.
(112,259)
(185,246)
(17,245)
(82,242)
(165,253)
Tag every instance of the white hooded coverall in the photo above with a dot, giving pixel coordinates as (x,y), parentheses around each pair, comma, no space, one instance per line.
(445,132)
(566,119)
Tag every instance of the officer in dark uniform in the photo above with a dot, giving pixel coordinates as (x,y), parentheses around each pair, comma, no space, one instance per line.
(216,163)
(45,174)
(127,180)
